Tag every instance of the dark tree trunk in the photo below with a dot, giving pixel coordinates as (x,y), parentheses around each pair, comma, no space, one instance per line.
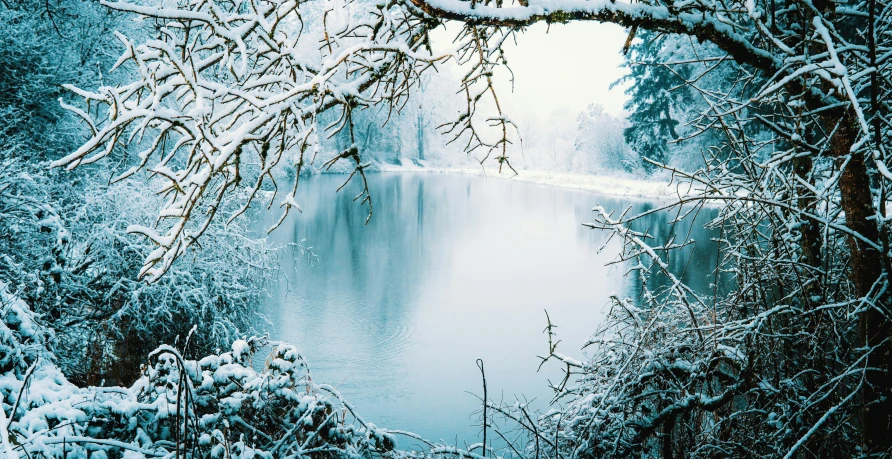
(667,446)
(419,124)
(866,268)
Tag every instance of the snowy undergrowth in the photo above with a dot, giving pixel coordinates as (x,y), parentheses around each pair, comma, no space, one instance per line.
(218,406)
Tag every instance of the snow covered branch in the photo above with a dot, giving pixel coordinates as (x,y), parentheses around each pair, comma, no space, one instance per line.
(228,91)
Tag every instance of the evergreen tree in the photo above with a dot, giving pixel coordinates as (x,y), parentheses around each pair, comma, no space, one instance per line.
(655,95)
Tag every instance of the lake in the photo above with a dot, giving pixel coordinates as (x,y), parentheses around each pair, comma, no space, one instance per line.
(450,269)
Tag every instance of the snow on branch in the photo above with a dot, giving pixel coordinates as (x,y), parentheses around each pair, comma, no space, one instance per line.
(229,90)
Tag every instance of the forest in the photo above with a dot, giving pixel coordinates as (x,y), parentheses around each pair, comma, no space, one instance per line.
(141,141)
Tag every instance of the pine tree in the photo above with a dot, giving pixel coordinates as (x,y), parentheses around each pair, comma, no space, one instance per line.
(653,97)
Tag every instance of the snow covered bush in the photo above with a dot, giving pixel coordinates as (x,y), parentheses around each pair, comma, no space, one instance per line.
(215,407)
(79,268)
(218,289)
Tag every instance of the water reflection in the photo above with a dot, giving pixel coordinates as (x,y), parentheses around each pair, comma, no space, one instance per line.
(451,268)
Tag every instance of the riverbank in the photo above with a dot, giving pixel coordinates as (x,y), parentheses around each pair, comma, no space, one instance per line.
(601,184)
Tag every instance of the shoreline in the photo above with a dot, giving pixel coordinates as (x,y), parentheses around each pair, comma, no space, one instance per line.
(598,184)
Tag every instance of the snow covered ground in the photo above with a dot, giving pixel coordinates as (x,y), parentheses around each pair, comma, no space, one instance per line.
(601,184)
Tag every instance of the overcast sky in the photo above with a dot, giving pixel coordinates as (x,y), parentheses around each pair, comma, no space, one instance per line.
(563,69)
(567,68)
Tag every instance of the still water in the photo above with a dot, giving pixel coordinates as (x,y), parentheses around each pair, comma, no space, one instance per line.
(450,269)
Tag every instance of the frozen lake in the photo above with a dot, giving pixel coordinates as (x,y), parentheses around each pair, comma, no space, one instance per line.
(450,269)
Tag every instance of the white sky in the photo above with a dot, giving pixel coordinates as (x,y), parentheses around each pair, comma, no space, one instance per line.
(562,70)
(566,68)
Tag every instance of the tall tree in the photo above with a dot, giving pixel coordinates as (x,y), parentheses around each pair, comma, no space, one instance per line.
(657,97)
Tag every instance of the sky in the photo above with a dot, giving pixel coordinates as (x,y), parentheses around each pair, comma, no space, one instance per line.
(567,68)
(560,70)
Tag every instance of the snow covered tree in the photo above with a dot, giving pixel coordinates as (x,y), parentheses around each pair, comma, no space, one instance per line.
(36,59)
(599,145)
(657,96)
(64,247)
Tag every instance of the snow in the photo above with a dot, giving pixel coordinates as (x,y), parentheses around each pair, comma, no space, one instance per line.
(239,348)
(290,202)
(601,184)
(10,453)
(51,417)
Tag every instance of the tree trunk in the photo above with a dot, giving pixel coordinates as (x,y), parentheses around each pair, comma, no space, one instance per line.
(667,447)
(866,268)
(810,230)
(420,135)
